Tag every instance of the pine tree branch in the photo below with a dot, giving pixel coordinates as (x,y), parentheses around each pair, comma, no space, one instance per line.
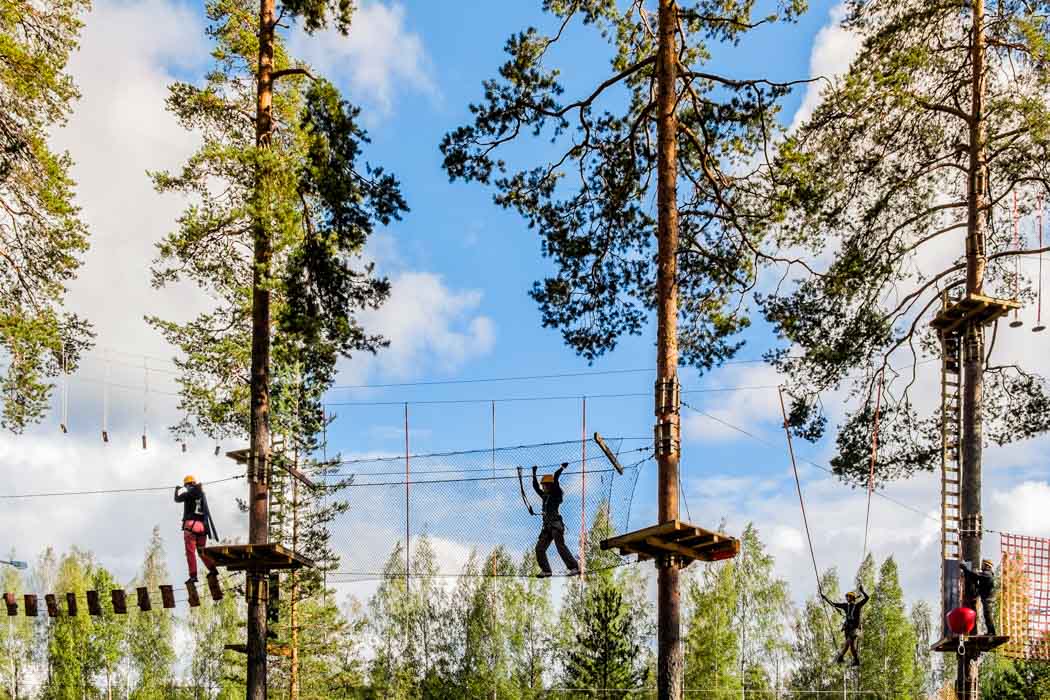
(284,72)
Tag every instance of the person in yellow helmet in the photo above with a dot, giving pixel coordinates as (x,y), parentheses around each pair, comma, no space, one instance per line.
(979,584)
(851,623)
(197,525)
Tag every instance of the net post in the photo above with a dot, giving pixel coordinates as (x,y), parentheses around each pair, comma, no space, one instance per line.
(583,492)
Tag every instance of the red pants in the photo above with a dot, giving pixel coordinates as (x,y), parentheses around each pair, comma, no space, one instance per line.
(193,534)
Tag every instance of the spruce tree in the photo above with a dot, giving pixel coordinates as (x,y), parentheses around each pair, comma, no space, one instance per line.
(42,238)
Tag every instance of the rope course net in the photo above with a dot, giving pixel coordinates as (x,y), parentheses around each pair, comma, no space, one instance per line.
(456,509)
(1024,605)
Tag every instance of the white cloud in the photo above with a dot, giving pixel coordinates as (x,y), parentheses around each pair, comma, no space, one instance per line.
(746,408)
(833,49)
(378,56)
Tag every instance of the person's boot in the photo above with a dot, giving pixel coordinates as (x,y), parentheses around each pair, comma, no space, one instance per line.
(192,579)
(574,571)
(543,574)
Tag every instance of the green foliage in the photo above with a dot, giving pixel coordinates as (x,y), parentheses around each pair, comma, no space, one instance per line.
(151,635)
(888,644)
(69,670)
(712,644)
(41,235)
(607,654)
(817,640)
(214,672)
(16,640)
(873,188)
(590,203)
(1005,679)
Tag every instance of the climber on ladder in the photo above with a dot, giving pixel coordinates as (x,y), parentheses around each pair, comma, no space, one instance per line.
(553,529)
(980,584)
(851,624)
(197,525)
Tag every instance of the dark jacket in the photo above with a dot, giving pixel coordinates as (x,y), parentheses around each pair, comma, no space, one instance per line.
(551,499)
(850,611)
(195,507)
(978,583)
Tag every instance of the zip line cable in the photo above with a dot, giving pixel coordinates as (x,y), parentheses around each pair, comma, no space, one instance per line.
(106,492)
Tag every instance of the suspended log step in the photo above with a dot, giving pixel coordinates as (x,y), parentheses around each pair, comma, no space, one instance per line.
(675,538)
(972,308)
(256,557)
(981,643)
(272,649)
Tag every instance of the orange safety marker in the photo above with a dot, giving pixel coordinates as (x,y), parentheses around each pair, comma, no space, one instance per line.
(94,607)
(71,604)
(143,598)
(167,596)
(120,603)
(30,602)
(52,605)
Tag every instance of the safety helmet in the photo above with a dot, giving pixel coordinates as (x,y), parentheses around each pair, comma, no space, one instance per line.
(188,479)
(851,596)
(547,479)
(987,564)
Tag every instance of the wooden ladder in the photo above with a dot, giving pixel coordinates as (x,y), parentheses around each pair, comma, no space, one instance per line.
(951,418)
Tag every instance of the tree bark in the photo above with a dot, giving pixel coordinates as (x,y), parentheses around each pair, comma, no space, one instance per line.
(258,467)
(669,647)
(973,340)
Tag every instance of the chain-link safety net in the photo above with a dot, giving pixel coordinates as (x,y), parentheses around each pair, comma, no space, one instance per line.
(1024,596)
(456,509)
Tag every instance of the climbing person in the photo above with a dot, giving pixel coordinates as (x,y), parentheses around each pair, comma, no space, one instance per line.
(553,529)
(980,585)
(851,624)
(197,525)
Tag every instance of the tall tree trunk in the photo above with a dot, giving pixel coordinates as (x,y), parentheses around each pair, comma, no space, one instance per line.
(669,665)
(973,341)
(293,673)
(258,514)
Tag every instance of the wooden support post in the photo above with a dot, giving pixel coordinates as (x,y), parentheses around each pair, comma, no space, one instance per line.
(120,601)
(31,604)
(191,593)
(52,605)
(12,604)
(167,596)
(94,607)
(214,587)
(71,604)
(142,593)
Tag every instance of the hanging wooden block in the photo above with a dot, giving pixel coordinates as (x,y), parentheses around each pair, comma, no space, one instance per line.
(105,436)
(143,598)
(64,428)
(167,596)
(143,441)
(52,605)
(12,604)
(71,604)
(214,587)
(30,603)
(183,447)
(94,607)
(218,449)
(191,591)
(120,602)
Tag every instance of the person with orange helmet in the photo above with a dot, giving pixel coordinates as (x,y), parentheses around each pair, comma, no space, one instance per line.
(197,525)
(553,529)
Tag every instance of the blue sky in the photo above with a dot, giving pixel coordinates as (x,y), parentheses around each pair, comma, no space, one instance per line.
(461,268)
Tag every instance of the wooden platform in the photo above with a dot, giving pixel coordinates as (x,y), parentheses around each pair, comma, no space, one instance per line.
(242,457)
(972,308)
(272,649)
(675,538)
(262,557)
(981,643)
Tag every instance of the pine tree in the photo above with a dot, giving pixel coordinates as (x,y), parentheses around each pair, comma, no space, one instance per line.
(42,237)
(151,635)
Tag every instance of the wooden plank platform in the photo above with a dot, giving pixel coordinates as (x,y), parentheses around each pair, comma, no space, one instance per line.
(272,649)
(675,538)
(256,557)
(242,456)
(980,643)
(972,308)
